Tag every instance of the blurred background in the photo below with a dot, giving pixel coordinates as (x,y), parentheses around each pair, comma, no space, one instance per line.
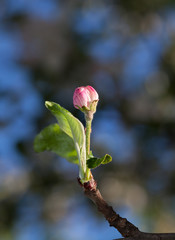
(126,51)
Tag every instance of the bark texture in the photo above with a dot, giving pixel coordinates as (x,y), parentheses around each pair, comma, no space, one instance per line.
(127,229)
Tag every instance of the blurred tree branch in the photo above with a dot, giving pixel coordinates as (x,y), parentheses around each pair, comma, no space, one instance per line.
(126,229)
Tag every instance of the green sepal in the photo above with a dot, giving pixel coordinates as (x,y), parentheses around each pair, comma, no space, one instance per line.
(95,162)
(53,139)
(83,109)
(93,106)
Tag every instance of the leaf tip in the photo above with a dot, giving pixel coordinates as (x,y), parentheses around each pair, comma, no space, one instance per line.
(48,104)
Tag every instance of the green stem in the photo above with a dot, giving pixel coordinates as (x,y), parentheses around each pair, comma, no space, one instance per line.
(88,135)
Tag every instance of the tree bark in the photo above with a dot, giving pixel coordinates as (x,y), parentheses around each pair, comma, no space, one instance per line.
(151,236)
(126,229)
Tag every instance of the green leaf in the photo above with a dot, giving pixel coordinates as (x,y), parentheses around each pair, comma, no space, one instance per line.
(95,162)
(72,127)
(53,139)
(67,122)
(90,155)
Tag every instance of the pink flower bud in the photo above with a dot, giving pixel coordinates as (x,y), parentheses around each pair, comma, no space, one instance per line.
(84,96)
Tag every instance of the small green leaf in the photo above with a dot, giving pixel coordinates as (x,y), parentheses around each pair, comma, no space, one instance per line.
(95,162)
(72,127)
(90,155)
(67,122)
(53,139)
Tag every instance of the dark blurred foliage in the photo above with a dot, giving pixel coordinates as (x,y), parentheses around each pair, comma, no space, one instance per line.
(126,51)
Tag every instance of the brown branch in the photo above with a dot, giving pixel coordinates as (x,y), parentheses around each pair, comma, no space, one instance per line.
(151,236)
(127,229)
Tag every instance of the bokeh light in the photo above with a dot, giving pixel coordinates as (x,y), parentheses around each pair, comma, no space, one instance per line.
(126,51)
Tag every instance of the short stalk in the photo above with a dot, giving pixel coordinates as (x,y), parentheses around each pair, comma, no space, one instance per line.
(88,134)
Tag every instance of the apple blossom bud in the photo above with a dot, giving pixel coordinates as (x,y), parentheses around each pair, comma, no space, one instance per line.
(80,97)
(86,99)
(93,94)
(84,96)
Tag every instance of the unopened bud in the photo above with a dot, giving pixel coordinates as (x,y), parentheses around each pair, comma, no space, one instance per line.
(86,99)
